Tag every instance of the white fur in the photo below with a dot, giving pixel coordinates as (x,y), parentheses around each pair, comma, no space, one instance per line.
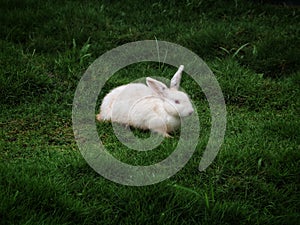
(153,106)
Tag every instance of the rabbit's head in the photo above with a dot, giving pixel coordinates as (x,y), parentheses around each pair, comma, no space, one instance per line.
(176,103)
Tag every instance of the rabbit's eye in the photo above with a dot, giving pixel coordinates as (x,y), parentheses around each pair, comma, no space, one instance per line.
(177,101)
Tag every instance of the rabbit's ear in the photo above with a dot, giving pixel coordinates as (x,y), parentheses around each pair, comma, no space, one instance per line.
(175,81)
(156,86)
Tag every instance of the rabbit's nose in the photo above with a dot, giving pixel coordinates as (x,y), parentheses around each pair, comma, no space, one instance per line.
(191,112)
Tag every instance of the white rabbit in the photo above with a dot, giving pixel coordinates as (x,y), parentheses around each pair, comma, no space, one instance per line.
(153,106)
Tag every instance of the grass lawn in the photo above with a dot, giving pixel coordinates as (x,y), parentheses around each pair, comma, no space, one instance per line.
(253,50)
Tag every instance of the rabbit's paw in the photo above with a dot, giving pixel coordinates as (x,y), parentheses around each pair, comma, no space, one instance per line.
(98,117)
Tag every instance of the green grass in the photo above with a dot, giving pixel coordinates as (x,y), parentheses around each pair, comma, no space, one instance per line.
(253,50)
